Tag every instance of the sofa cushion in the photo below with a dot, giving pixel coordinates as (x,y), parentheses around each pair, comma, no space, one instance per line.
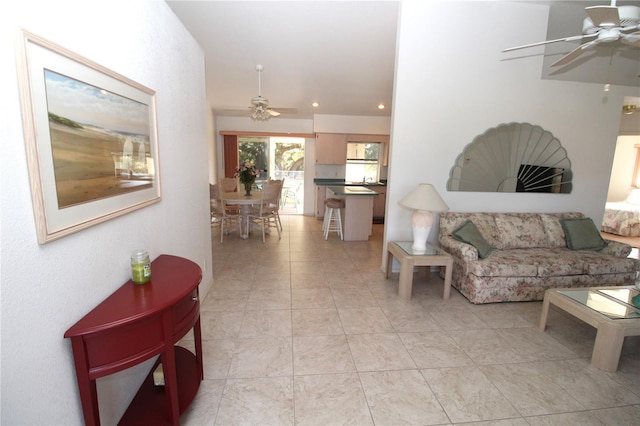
(606,265)
(582,234)
(558,262)
(521,230)
(553,228)
(469,233)
(450,221)
(507,263)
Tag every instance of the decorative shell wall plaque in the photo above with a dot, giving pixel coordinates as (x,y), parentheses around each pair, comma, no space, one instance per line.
(514,157)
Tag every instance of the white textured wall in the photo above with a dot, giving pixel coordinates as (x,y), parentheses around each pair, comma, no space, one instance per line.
(328,123)
(47,288)
(453,87)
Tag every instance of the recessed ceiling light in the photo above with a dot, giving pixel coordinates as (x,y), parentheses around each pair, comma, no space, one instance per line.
(315,105)
(381,106)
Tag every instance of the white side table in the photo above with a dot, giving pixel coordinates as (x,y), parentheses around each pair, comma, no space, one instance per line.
(401,250)
(608,309)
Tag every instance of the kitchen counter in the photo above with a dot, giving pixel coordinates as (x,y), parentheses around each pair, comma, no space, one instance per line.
(341,182)
(358,211)
(344,190)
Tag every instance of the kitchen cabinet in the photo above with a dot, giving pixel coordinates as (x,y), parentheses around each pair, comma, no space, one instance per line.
(321,195)
(331,148)
(379,202)
(368,138)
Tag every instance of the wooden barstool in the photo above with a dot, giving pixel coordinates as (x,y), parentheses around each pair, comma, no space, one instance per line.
(333,217)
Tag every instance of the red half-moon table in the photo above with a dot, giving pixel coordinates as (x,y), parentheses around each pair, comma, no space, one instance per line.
(134,324)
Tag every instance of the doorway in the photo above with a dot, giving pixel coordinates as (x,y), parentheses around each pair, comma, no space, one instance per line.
(622,211)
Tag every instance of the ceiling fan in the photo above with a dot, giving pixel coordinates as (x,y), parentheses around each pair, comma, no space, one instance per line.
(604,24)
(260,110)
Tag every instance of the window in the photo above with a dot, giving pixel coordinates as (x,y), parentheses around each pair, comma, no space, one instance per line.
(363,162)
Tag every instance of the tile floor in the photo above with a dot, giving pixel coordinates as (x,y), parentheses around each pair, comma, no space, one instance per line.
(307,331)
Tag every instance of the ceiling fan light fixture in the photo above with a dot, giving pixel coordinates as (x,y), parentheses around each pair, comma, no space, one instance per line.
(260,110)
(629,109)
(259,113)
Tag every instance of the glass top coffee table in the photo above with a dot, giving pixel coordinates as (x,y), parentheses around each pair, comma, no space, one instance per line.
(433,256)
(610,310)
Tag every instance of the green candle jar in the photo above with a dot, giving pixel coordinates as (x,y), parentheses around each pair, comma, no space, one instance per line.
(140,267)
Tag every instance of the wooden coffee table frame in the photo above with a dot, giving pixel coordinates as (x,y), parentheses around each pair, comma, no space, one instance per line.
(408,261)
(611,332)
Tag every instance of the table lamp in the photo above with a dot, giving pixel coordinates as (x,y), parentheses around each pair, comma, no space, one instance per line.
(424,200)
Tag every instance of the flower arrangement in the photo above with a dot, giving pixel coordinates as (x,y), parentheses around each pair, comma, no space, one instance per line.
(247,172)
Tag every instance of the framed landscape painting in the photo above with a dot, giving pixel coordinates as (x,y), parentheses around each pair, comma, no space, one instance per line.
(91,139)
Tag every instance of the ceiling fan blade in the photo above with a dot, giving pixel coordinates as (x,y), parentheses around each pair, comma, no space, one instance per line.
(574,53)
(603,16)
(283,110)
(273,113)
(632,39)
(572,38)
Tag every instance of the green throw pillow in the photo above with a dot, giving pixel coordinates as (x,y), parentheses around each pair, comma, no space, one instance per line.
(468,233)
(582,234)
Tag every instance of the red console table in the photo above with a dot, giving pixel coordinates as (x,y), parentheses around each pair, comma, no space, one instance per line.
(134,324)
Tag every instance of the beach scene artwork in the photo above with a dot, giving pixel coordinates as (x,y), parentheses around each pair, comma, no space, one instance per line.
(100,141)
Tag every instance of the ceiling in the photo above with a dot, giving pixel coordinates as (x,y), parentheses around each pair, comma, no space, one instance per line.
(341,54)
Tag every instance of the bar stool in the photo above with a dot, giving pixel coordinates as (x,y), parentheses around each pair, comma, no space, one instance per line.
(333,217)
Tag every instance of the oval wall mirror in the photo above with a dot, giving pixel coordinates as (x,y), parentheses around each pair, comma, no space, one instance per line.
(514,157)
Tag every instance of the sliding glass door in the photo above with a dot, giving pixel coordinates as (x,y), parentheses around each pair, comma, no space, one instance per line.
(282,158)
(255,150)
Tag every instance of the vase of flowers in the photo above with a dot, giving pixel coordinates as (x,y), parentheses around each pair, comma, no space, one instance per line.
(247,189)
(247,174)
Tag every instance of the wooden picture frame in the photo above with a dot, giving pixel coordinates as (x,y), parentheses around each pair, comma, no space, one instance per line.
(90,136)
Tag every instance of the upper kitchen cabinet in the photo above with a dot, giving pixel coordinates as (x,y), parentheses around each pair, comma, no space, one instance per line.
(331,148)
(368,138)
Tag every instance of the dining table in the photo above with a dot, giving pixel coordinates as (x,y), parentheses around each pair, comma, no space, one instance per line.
(246,202)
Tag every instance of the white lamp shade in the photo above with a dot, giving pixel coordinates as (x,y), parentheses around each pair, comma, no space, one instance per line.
(424,197)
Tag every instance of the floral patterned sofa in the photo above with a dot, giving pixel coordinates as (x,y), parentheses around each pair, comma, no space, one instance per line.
(529,255)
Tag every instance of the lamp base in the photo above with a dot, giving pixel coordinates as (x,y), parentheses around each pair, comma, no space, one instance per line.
(421,222)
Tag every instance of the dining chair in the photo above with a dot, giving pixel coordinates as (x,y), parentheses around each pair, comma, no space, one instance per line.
(267,213)
(290,193)
(221,215)
(228,184)
(279,182)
